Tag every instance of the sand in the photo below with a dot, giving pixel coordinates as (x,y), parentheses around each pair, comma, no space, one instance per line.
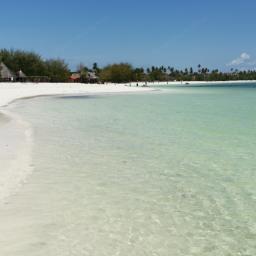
(12,91)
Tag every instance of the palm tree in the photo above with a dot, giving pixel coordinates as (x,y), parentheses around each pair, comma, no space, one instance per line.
(95,67)
(199,68)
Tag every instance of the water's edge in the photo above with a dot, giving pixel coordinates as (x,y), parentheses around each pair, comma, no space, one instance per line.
(16,143)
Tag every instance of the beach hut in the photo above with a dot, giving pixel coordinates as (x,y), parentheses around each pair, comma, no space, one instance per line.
(88,77)
(92,77)
(21,77)
(75,77)
(5,73)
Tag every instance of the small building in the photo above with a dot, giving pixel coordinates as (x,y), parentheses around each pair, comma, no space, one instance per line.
(6,74)
(75,77)
(92,77)
(21,77)
(88,77)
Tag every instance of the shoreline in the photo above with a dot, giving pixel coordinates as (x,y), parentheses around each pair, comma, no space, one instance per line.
(192,83)
(10,92)
(16,142)
(16,137)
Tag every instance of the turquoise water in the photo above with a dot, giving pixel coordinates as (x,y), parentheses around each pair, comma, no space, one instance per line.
(166,173)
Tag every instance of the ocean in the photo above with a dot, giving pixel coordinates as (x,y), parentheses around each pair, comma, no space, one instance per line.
(165,173)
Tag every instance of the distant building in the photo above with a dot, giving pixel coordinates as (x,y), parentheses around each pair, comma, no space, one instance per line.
(75,77)
(5,73)
(21,77)
(90,77)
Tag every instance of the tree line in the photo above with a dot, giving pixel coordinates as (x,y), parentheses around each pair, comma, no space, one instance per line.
(124,72)
(32,64)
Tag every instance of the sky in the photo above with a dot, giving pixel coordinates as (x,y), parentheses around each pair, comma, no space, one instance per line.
(214,33)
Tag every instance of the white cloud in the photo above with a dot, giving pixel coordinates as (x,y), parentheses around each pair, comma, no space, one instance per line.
(243,58)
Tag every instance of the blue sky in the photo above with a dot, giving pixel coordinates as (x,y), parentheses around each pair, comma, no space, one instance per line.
(216,34)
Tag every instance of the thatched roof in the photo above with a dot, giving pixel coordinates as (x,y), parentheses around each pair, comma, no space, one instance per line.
(5,73)
(20,74)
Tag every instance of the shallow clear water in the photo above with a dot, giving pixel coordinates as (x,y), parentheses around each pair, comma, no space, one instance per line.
(170,173)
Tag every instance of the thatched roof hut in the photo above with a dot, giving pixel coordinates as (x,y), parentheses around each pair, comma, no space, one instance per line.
(20,74)
(6,73)
(21,77)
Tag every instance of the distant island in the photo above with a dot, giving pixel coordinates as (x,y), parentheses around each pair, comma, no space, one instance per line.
(24,66)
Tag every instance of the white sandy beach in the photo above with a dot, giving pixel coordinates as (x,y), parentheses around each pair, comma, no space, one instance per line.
(12,91)
(16,135)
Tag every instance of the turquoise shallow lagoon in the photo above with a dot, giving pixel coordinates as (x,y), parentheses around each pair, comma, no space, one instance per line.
(165,173)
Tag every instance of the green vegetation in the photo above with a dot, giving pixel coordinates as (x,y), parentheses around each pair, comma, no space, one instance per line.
(117,73)
(29,62)
(33,65)
(56,70)
(124,72)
